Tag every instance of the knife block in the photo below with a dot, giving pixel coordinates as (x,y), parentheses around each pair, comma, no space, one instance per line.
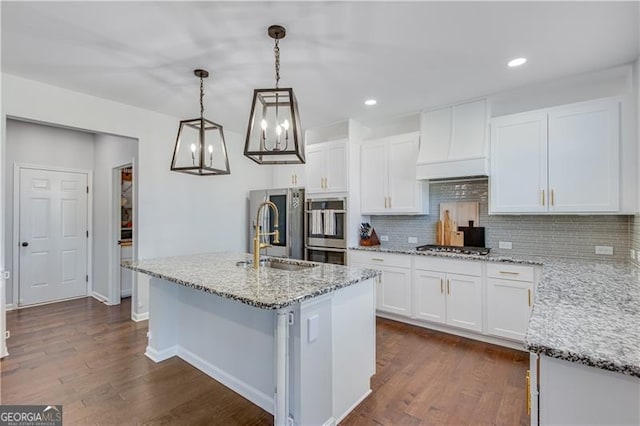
(373,240)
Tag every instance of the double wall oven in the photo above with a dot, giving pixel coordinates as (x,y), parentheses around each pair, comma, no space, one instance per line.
(325,230)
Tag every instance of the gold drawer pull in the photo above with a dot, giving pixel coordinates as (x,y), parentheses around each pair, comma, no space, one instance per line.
(543,197)
(529,291)
(553,198)
(509,272)
(377,259)
(441,285)
(448,287)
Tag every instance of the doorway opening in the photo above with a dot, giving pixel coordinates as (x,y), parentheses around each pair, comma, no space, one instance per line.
(123,209)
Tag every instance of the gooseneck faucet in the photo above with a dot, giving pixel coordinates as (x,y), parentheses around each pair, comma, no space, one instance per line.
(257,245)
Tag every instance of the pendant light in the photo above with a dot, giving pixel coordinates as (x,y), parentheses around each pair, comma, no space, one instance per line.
(200,147)
(274,133)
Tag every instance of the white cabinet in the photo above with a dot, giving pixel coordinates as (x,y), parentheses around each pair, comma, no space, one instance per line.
(288,175)
(560,160)
(509,300)
(326,169)
(444,292)
(393,293)
(387,177)
(454,142)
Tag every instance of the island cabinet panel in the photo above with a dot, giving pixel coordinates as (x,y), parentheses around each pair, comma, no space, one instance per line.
(575,394)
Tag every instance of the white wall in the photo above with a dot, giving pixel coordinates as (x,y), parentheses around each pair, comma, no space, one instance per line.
(36,144)
(178,213)
(109,152)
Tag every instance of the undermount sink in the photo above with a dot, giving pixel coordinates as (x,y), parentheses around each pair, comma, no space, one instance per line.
(276,264)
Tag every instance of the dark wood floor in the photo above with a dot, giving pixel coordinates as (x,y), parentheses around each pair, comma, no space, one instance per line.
(90,358)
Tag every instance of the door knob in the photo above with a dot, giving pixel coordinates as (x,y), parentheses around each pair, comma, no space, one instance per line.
(25,244)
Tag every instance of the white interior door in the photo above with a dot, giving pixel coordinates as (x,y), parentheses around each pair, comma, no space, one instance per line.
(53,236)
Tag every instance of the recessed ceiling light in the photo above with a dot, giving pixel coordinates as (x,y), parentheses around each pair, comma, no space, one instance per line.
(370,102)
(516,62)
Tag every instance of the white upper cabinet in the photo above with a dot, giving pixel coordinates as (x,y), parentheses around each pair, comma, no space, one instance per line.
(584,160)
(288,175)
(519,163)
(327,167)
(561,160)
(454,142)
(388,182)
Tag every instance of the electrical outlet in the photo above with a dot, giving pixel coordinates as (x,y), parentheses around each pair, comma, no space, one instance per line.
(384,238)
(505,245)
(606,250)
(413,240)
(632,254)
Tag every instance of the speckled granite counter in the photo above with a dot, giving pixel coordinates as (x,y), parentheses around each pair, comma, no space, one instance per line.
(488,257)
(265,288)
(585,311)
(588,312)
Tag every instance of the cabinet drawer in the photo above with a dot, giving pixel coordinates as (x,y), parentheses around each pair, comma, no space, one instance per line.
(382,259)
(510,272)
(449,266)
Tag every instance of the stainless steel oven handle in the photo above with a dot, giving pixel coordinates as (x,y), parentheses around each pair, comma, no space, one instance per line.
(326,249)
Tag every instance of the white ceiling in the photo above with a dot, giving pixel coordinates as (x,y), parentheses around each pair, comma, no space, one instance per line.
(336,54)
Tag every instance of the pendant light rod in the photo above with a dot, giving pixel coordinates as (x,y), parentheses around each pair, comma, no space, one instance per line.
(202,74)
(277,32)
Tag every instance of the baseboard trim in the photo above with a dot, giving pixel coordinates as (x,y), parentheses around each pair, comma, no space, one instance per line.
(261,399)
(99,297)
(9,307)
(159,356)
(350,409)
(330,422)
(140,317)
(457,332)
(4,353)
(126,293)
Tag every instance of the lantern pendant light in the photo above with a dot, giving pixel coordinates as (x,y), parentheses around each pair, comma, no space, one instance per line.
(274,133)
(200,147)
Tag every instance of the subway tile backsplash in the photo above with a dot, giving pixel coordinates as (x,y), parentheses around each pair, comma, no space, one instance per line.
(572,236)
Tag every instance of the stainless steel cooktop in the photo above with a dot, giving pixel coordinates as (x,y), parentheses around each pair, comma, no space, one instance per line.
(482,251)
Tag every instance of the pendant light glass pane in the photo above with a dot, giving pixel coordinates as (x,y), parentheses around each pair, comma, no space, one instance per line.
(274,134)
(200,149)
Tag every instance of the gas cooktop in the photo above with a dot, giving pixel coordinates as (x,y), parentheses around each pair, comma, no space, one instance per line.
(482,251)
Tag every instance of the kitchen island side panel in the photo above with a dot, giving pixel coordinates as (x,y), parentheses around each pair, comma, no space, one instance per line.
(228,340)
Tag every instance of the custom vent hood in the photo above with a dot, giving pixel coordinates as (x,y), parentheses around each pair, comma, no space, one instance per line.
(454,142)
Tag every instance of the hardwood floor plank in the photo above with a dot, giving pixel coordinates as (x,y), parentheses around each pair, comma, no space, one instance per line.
(90,358)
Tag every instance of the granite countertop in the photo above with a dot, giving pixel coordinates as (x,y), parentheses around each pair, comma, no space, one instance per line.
(487,257)
(265,288)
(585,311)
(588,312)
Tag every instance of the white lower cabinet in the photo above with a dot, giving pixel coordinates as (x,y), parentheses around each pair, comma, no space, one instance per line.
(485,298)
(448,298)
(509,300)
(393,291)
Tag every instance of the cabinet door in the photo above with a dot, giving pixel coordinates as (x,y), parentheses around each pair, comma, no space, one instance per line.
(464,302)
(373,178)
(404,190)
(435,127)
(429,300)
(395,288)
(316,165)
(508,307)
(584,165)
(518,179)
(288,176)
(336,172)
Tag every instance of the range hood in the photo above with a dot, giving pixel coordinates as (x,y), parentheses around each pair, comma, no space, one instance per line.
(454,142)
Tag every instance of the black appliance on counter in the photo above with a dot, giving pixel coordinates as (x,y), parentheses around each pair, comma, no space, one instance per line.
(482,251)
(473,236)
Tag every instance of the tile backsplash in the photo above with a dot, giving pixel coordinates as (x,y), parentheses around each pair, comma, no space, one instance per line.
(566,236)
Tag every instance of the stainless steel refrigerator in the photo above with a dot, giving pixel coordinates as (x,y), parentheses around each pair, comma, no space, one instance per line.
(290,203)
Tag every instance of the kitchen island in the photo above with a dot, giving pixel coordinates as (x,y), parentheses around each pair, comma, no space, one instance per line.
(295,338)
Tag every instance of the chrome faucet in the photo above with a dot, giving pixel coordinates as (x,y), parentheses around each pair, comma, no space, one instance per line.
(257,245)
